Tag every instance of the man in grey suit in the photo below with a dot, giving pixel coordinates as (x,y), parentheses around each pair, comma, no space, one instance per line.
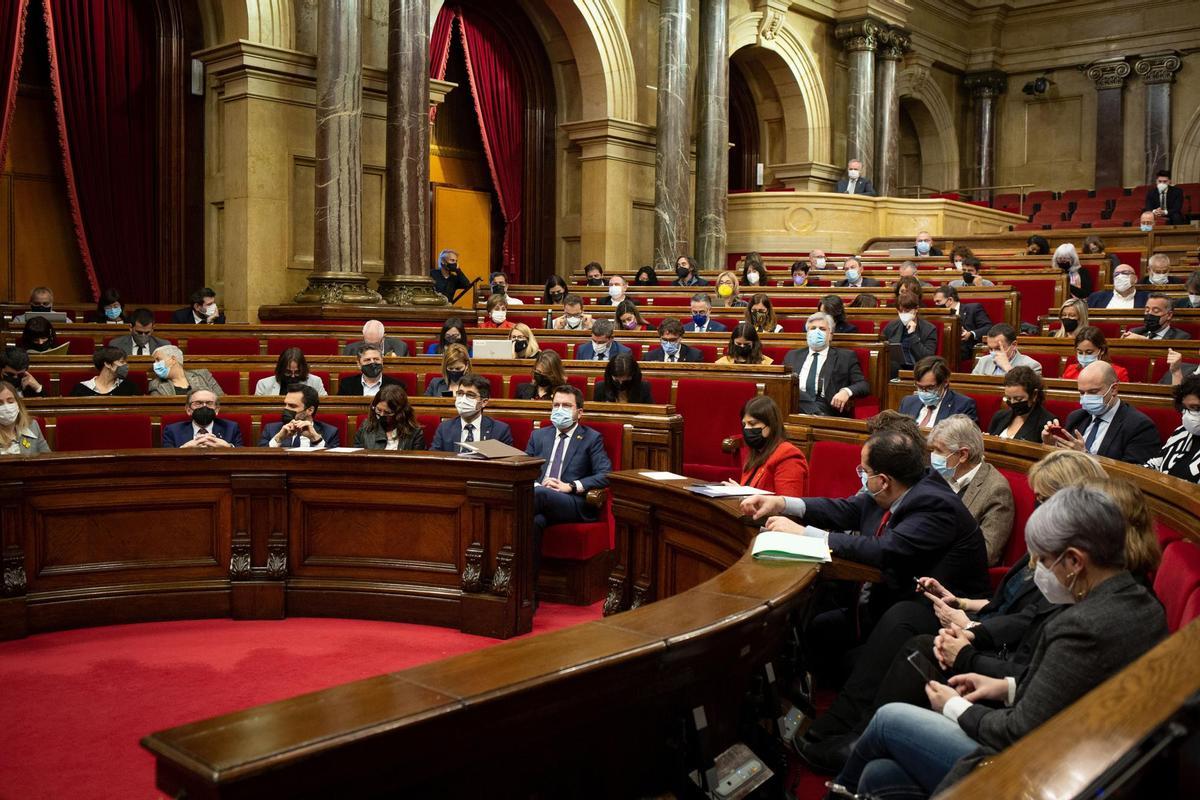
(374,336)
(1002,353)
(829,378)
(854,182)
(140,341)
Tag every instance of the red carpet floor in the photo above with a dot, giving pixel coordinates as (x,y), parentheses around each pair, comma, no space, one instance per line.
(74,704)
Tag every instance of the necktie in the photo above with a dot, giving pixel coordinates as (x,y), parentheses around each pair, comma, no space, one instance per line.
(883,521)
(926,418)
(470,429)
(1091,437)
(202,431)
(137,351)
(557,458)
(811,387)
(1162,199)
(296,440)
(851,186)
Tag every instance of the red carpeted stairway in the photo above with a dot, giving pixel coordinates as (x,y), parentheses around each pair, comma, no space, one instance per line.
(74,704)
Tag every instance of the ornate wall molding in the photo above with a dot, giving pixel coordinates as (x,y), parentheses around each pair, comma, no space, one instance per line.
(986,84)
(1158,68)
(861,34)
(1109,73)
(894,43)
(914,83)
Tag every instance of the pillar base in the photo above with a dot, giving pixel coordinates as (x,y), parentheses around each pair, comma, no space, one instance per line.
(337,287)
(410,290)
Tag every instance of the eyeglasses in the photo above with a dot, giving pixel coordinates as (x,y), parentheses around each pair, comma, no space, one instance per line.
(202,404)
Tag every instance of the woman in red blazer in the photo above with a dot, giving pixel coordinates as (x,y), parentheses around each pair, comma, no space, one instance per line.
(771,462)
(1091,345)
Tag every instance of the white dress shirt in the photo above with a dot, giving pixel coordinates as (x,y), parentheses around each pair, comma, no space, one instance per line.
(1122,302)
(1105,423)
(477,421)
(565,444)
(807,367)
(371,389)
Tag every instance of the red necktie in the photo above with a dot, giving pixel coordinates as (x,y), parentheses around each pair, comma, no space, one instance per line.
(926,417)
(883,523)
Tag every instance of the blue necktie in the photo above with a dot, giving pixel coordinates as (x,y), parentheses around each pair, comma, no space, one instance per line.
(1091,437)
(557,458)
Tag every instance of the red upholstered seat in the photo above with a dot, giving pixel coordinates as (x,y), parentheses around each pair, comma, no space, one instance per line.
(1049,362)
(1075,195)
(831,469)
(1028,226)
(1023,501)
(243,422)
(1038,198)
(1165,419)
(580,383)
(1061,409)
(229,380)
(222,346)
(558,347)
(711,412)
(1002,200)
(1137,366)
(1166,533)
(430,423)
(1177,580)
(78,345)
(776,353)
(522,429)
(102,432)
(1110,192)
(660,389)
(579,541)
(708,352)
(409,379)
(68,378)
(310,347)
(636,347)
(986,405)
(163,316)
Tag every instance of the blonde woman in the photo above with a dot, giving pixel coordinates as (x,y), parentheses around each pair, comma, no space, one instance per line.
(525,344)
(455,363)
(1142,550)
(1071,317)
(728,291)
(19,433)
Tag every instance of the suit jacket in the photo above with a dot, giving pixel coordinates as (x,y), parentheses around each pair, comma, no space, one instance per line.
(1183,302)
(196,378)
(989,498)
(1031,428)
(377,439)
(1131,436)
(713,326)
(972,317)
(930,532)
(351,385)
(863,186)
(639,394)
(839,370)
(449,433)
(986,365)
(125,344)
(1084,290)
(865,282)
(328,432)
(922,342)
(1171,333)
(686,354)
(178,434)
(785,471)
(30,440)
(1187,369)
(1102,299)
(585,462)
(391,347)
(587,351)
(1174,204)
(697,282)
(953,403)
(528,391)
(183,316)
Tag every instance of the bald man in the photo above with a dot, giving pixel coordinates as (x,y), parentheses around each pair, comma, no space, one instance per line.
(374,335)
(1103,425)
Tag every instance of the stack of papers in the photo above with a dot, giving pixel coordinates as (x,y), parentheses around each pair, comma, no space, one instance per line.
(725,490)
(778,546)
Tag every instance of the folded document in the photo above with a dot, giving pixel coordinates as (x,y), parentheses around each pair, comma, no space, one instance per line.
(779,546)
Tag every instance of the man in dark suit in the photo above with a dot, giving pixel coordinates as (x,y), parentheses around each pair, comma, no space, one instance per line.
(854,278)
(916,337)
(299,428)
(575,463)
(1165,201)
(470,425)
(1123,294)
(375,335)
(934,400)
(1159,314)
(924,246)
(972,318)
(1105,426)
(448,279)
(203,428)
(854,182)
(673,350)
(702,321)
(203,310)
(370,378)
(602,346)
(828,378)
(140,341)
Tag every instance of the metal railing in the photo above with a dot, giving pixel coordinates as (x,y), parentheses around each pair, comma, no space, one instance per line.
(919,191)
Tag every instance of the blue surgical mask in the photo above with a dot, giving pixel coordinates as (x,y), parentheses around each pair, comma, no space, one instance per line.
(562,418)
(928,397)
(1086,360)
(1146,228)
(113,313)
(923,247)
(700,320)
(853,275)
(670,348)
(941,464)
(817,339)
(1093,403)
(161,369)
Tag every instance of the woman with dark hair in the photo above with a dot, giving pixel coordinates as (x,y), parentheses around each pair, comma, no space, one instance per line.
(646,276)
(1037,246)
(38,335)
(958,256)
(629,318)
(744,347)
(111,376)
(832,305)
(554,291)
(754,271)
(108,309)
(453,332)
(1024,414)
(547,373)
(291,367)
(391,425)
(761,314)
(1094,246)
(863,301)
(1091,346)
(1180,455)
(622,382)
(771,462)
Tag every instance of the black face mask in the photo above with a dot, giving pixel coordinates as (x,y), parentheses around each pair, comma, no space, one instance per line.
(449,340)
(1069,324)
(1064,265)
(681,272)
(753,437)
(968,278)
(287,416)
(556,297)
(743,350)
(12,380)
(541,380)
(204,416)
(498,289)
(595,282)
(40,307)
(1152,322)
(455,375)
(1021,409)
(372,371)
(40,348)
(520,345)
(388,423)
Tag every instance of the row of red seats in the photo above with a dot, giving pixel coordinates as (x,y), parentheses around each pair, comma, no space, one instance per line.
(1103,208)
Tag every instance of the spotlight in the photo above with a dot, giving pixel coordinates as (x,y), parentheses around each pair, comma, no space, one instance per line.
(1037,86)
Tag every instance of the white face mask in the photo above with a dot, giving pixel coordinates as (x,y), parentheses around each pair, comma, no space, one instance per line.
(616,290)
(1123,282)
(210,311)
(1191,420)
(1194,299)
(499,316)
(1162,186)
(752,278)
(907,317)
(1054,591)
(1159,278)
(853,173)
(466,406)
(819,263)
(9,413)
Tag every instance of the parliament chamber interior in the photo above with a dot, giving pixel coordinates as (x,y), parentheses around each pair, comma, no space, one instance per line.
(600,398)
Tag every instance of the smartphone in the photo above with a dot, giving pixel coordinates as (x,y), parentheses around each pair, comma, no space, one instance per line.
(924,666)
(1059,431)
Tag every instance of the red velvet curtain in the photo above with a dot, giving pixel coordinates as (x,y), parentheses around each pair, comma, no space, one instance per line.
(12,35)
(439,43)
(102,71)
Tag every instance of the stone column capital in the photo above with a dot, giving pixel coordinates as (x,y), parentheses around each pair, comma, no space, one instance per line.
(986,84)
(1158,67)
(860,34)
(1109,73)
(894,43)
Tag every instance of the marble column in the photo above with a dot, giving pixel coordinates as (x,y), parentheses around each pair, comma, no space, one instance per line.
(985,88)
(337,275)
(860,39)
(671,157)
(892,46)
(406,232)
(1109,76)
(1158,73)
(712,136)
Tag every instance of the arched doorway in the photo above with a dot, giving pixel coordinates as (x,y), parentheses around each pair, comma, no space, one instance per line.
(909,179)
(744,156)
(766,101)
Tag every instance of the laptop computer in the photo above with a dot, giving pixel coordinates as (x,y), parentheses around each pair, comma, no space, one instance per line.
(51,316)
(492,348)
(901,252)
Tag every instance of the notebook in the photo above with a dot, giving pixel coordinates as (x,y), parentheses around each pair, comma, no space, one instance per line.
(779,546)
